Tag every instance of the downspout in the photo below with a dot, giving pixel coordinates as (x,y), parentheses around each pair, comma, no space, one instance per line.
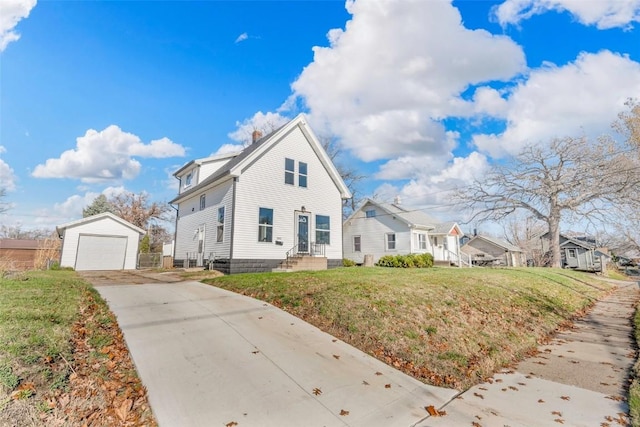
(175,233)
(233,221)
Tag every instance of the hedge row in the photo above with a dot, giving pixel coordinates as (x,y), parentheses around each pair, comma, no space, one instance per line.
(406,261)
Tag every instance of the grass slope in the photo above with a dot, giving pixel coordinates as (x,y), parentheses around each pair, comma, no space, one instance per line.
(444,326)
(62,357)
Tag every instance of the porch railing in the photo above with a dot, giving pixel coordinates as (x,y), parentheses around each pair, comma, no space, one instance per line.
(462,259)
(315,249)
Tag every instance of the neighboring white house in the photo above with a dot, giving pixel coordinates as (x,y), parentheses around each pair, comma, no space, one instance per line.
(247,211)
(379,229)
(99,242)
(490,251)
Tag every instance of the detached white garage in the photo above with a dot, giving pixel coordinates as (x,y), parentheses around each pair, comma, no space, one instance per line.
(100,242)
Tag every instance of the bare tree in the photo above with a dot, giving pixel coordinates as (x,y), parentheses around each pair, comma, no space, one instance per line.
(349,174)
(571,178)
(136,209)
(16,232)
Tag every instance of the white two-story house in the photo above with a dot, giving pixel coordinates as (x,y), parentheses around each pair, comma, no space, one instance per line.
(249,211)
(379,229)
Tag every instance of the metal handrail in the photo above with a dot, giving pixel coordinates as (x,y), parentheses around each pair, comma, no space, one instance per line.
(315,249)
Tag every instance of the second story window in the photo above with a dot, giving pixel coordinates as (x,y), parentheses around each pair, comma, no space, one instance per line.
(289,171)
(203,202)
(371,213)
(302,174)
(188,179)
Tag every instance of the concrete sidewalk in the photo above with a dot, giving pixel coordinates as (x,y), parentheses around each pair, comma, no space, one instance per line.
(579,379)
(210,357)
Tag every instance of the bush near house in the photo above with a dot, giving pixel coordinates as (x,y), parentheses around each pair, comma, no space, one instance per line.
(406,261)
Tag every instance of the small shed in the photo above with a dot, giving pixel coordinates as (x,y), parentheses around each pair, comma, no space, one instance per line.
(487,251)
(99,242)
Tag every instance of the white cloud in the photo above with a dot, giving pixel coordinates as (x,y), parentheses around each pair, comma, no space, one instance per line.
(582,97)
(11,12)
(601,13)
(242,37)
(265,123)
(388,77)
(228,149)
(106,155)
(7,176)
(72,207)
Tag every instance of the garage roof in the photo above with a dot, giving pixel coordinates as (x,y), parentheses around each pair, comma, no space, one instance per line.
(61,228)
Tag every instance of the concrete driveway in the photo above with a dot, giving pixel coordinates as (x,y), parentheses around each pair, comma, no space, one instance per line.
(209,357)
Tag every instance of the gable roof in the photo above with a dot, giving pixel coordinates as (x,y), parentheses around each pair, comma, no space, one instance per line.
(411,217)
(198,162)
(496,242)
(21,244)
(61,228)
(246,157)
(578,242)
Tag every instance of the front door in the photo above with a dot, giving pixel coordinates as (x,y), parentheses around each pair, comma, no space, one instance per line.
(303,233)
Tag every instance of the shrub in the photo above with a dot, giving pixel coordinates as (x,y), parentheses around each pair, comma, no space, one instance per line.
(406,261)
(348,262)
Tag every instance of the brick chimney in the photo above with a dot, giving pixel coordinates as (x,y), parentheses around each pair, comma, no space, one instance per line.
(255,135)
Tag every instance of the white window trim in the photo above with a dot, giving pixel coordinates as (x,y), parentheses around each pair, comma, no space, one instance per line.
(354,243)
(386,242)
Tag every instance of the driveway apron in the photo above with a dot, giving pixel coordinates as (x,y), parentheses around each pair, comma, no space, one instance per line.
(210,357)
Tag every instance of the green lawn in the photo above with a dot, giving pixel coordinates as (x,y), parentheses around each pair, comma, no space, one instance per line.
(445,326)
(62,358)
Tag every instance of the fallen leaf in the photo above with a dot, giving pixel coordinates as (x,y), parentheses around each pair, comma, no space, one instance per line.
(565,398)
(378,373)
(559,420)
(483,388)
(434,412)
(336,356)
(317,391)
(256,352)
(387,386)
(478,395)
(558,413)
(343,412)
(475,424)
(231,424)
(513,388)
(365,383)
(540,401)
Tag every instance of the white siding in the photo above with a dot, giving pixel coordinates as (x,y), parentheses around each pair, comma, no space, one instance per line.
(190,218)
(262,185)
(208,168)
(106,227)
(373,234)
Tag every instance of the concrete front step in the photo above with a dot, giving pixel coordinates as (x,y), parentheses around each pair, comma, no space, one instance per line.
(302,263)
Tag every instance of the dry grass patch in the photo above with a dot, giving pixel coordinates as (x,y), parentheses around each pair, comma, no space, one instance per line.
(63,360)
(448,327)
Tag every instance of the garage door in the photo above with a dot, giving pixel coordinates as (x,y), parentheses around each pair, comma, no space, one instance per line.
(101,252)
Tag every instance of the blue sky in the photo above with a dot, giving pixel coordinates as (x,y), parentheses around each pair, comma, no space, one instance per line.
(103,97)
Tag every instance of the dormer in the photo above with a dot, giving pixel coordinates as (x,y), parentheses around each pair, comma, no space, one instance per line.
(196,171)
